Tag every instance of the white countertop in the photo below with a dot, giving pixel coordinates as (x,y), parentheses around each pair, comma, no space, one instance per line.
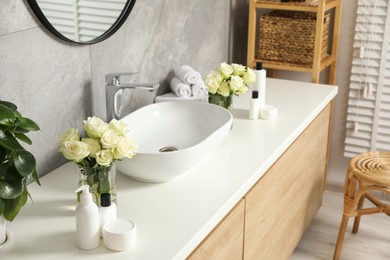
(172,217)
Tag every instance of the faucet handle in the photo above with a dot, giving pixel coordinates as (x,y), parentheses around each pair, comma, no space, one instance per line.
(114,78)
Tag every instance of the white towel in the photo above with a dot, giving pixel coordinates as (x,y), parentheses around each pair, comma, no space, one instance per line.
(199,89)
(187,75)
(172,97)
(181,90)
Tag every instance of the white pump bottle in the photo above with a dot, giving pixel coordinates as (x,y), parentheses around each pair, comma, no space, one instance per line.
(107,210)
(87,221)
(260,83)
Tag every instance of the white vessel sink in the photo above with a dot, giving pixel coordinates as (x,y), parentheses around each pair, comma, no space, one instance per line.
(172,138)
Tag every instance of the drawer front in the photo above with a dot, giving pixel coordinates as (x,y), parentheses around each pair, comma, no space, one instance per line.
(226,241)
(282,204)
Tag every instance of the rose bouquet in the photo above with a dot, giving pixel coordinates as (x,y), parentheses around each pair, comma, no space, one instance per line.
(96,153)
(226,80)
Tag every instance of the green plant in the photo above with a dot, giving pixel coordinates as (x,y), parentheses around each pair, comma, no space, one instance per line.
(17,165)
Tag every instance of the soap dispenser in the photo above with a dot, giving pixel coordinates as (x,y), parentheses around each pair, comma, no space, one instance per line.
(260,82)
(87,221)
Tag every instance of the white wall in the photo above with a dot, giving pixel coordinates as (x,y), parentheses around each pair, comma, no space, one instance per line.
(338,163)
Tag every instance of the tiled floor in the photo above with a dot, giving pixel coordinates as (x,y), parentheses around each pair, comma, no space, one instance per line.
(372,242)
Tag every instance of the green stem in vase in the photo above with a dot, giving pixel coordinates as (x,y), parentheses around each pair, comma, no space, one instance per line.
(99,181)
(222,101)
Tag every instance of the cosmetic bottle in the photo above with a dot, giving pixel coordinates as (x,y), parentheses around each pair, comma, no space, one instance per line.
(87,221)
(254,105)
(107,210)
(260,82)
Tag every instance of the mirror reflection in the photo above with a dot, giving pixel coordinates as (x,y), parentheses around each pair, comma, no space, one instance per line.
(83,21)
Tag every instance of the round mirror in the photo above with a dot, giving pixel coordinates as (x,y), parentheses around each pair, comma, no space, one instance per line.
(82,21)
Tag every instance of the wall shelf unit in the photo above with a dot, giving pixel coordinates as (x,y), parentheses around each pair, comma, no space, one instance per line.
(320,7)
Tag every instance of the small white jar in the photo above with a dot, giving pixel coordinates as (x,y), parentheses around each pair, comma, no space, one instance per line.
(269,112)
(120,234)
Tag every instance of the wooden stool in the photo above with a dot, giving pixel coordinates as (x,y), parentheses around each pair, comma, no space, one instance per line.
(371,171)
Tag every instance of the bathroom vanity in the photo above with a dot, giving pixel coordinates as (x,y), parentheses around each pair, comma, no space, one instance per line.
(250,199)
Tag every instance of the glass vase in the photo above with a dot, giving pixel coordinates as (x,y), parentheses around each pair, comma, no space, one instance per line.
(226,102)
(3,234)
(100,179)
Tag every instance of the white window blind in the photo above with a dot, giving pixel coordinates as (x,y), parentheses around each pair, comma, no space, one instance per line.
(368,116)
(81,20)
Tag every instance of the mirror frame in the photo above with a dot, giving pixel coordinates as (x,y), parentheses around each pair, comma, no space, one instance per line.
(118,23)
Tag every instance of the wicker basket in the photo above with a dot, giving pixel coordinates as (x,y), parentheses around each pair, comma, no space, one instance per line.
(290,2)
(288,37)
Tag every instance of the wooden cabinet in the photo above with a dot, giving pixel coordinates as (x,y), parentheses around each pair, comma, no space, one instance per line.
(226,240)
(318,65)
(282,204)
(270,220)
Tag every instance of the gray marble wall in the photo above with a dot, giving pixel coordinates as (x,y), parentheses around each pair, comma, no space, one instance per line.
(58,84)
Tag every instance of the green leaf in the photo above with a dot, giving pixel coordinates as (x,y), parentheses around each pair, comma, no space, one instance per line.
(24,162)
(104,186)
(2,205)
(11,182)
(9,141)
(18,129)
(18,114)
(13,206)
(7,116)
(35,177)
(28,124)
(3,153)
(23,137)
(5,127)
(10,105)
(91,179)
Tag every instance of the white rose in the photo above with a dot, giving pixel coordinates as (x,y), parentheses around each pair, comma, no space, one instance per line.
(126,148)
(70,135)
(249,76)
(119,127)
(236,83)
(238,69)
(74,150)
(95,127)
(224,89)
(242,90)
(215,75)
(93,145)
(212,86)
(225,69)
(104,157)
(109,139)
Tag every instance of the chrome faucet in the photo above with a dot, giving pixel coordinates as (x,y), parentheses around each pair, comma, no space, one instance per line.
(114,90)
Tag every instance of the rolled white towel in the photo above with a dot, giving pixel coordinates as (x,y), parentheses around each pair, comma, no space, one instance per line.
(180,89)
(172,97)
(199,89)
(187,75)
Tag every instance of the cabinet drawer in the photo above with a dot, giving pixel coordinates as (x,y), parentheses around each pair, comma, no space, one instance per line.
(282,204)
(226,241)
